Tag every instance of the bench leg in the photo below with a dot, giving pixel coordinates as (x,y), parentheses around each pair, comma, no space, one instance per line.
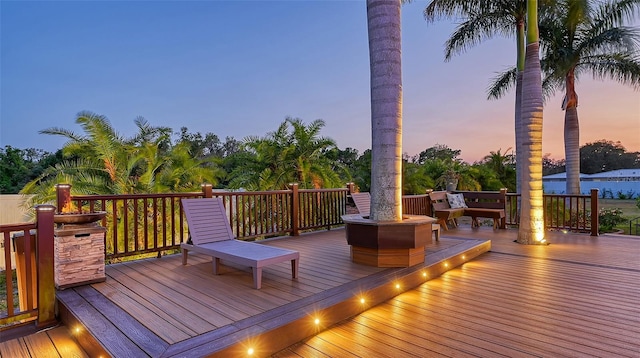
(294,268)
(216,265)
(184,256)
(436,230)
(257,277)
(474,222)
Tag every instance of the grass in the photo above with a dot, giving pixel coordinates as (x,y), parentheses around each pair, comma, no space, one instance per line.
(3,292)
(628,207)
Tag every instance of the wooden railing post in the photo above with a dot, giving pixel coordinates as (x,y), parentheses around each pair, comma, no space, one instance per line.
(44,263)
(63,196)
(207,190)
(295,210)
(595,220)
(351,187)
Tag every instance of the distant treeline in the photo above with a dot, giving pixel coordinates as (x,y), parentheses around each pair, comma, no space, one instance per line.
(157,159)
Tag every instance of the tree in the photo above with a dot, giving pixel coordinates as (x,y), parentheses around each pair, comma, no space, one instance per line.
(503,167)
(100,161)
(604,156)
(578,38)
(483,20)
(294,153)
(19,166)
(552,166)
(531,228)
(385,57)
(362,171)
(438,152)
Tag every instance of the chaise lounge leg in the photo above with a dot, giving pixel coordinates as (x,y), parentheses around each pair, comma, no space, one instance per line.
(294,268)
(184,256)
(216,265)
(257,277)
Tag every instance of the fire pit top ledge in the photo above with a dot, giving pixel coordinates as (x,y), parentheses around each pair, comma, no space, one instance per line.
(78,218)
(406,220)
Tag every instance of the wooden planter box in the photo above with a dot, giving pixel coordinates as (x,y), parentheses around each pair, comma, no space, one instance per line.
(390,243)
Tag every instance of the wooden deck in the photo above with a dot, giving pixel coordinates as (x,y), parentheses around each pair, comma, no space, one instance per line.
(577,297)
(55,342)
(158,307)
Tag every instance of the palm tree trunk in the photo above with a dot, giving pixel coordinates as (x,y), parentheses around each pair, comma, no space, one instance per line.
(531,228)
(520,41)
(571,136)
(383,18)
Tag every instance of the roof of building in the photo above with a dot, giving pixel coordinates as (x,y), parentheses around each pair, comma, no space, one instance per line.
(620,173)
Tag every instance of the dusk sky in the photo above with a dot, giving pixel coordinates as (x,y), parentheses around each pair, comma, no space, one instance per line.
(239,68)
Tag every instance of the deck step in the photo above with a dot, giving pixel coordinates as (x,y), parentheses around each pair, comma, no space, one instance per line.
(90,316)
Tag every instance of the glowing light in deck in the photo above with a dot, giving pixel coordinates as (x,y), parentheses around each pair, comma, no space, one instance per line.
(397,286)
(424,274)
(362,300)
(446,264)
(464,257)
(250,351)
(317,321)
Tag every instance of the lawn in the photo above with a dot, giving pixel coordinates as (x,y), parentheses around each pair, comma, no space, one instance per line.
(629,210)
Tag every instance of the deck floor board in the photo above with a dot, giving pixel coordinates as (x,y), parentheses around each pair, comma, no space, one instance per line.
(575,297)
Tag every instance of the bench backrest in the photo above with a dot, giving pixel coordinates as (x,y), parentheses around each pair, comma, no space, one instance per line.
(485,199)
(207,220)
(363,202)
(439,200)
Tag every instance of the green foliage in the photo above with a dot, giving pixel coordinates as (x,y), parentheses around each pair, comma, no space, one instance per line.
(604,156)
(610,218)
(19,166)
(638,201)
(100,161)
(414,179)
(294,153)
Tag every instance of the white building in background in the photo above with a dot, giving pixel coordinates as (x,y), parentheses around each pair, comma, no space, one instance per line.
(613,184)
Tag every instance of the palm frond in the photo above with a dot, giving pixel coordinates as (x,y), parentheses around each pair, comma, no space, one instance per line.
(502,83)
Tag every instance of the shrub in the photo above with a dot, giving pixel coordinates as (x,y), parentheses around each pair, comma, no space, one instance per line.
(609,218)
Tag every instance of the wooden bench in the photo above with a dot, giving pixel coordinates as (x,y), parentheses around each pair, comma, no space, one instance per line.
(480,204)
(211,235)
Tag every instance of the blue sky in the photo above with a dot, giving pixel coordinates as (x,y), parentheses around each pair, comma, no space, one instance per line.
(239,68)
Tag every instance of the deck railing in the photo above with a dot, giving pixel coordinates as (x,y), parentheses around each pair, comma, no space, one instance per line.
(634,226)
(152,223)
(33,273)
(577,213)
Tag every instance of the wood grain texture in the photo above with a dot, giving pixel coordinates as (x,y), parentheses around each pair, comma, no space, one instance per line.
(576,297)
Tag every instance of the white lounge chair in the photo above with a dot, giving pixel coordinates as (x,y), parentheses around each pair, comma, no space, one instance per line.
(211,235)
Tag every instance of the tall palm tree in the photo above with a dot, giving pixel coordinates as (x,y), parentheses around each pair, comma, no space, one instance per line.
(385,56)
(578,37)
(531,228)
(483,20)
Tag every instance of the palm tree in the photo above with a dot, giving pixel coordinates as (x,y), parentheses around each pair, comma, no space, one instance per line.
(579,38)
(531,228)
(293,153)
(385,56)
(502,165)
(100,161)
(483,20)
